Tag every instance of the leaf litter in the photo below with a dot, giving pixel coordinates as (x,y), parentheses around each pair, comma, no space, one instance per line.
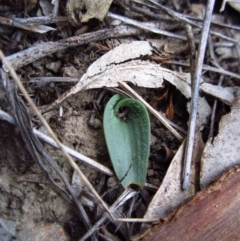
(131,63)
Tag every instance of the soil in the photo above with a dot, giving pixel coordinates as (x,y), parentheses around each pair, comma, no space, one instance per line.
(29,204)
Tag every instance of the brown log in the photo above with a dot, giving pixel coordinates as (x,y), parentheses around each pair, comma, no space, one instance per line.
(212,214)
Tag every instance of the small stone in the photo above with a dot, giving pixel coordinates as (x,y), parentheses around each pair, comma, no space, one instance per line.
(94,122)
(150,172)
(112,181)
(54,66)
(70,72)
(155,181)
(115,22)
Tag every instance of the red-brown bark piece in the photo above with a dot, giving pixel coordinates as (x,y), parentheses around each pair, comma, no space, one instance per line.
(212,214)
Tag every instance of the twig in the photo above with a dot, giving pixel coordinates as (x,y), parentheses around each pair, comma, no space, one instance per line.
(36,52)
(5,116)
(35,147)
(208,68)
(152,110)
(195,94)
(138,220)
(212,54)
(55,8)
(192,50)
(144,26)
(182,18)
(75,154)
(30,27)
(126,195)
(216,63)
(214,111)
(45,80)
(48,128)
(37,20)
(215,23)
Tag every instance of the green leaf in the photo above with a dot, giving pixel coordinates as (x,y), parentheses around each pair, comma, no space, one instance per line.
(127,136)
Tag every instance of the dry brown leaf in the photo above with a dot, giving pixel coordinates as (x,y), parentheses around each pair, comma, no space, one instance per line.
(170,109)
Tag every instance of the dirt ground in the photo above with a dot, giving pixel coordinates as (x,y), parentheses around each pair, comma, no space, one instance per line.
(31,206)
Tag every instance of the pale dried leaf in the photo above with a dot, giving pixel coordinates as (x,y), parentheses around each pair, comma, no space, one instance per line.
(233,3)
(96,9)
(223,153)
(230,52)
(141,73)
(118,65)
(225,94)
(204,111)
(122,64)
(198,9)
(37,28)
(46,7)
(169,194)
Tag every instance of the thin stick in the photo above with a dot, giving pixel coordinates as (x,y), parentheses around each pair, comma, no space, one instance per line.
(208,68)
(37,20)
(50,141)
(195,94)
(192,49)
(211,132)
(144,26)
(152,110)
(234,27)
(36,52)
(182,18)
(51,133)
(138,220)
(214,108)
(6,117)
(75,154)
(126,195)
(30,27)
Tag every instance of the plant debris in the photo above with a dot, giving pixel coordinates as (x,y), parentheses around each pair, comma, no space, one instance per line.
(72,57)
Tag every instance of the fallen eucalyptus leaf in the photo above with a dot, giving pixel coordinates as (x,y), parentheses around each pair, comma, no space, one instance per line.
(127,136)
(223,153)
(233,3)
(225,94)
(204,111)
(170,195)
(46,7)
(96,9)
(122,65)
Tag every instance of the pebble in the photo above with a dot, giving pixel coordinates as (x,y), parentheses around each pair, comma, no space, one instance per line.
(54,66)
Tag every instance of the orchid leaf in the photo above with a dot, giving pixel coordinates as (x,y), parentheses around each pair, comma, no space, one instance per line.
(127,132)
